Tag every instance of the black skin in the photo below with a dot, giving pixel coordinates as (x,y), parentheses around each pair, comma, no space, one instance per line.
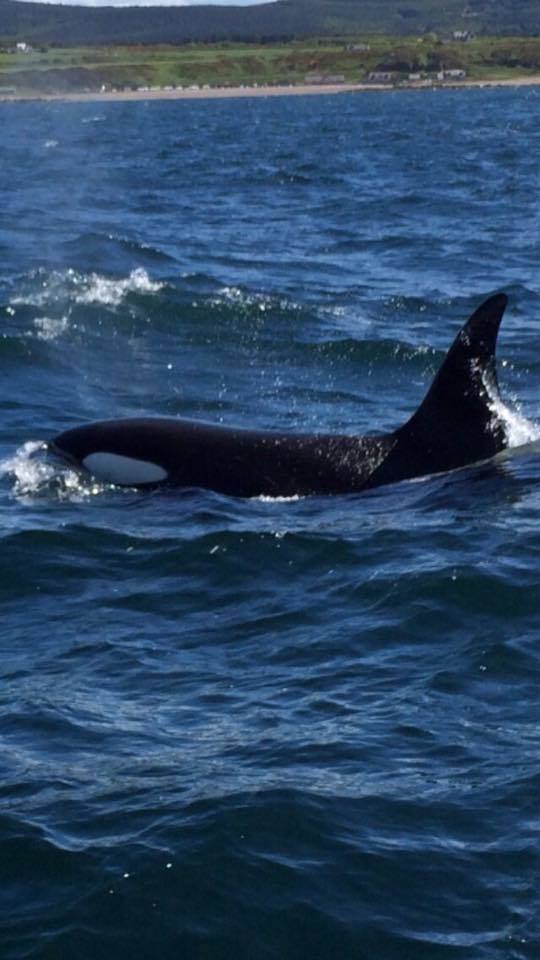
(455,425)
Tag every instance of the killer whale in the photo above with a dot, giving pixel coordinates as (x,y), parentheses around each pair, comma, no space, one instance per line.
(456,424)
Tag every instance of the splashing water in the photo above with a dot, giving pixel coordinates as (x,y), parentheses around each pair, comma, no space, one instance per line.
(35,476)
(519,430)
(62,285)
(112,292)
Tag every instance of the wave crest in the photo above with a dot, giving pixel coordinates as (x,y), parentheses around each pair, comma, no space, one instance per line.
(62,286)
(110,292)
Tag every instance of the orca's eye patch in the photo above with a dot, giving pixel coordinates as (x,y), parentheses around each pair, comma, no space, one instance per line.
(125,471)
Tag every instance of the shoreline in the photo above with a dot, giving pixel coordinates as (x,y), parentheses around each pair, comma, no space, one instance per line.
(223,93)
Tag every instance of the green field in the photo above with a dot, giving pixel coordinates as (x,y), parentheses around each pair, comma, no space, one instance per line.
(61,70)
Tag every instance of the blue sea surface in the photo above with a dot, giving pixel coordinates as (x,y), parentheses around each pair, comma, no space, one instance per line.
(264,729)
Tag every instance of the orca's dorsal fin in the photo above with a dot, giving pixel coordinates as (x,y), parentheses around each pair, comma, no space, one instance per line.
(458,421)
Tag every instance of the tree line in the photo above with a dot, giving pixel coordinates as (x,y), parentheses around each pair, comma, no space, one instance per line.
(266,22)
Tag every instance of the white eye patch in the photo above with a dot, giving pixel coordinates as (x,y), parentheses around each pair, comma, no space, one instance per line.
(125,471)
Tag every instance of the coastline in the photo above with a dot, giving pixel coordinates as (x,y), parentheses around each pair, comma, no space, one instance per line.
(215,93)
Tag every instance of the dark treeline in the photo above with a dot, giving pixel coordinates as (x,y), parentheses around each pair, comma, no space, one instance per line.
(41,23)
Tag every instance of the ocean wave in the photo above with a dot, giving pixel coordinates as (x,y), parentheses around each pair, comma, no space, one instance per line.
(323,708)
(374,352)
(322,872)
(242,299)
(72,286)
(113,252)
(99,289)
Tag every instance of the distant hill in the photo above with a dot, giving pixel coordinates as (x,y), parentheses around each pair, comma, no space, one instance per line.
(41,23)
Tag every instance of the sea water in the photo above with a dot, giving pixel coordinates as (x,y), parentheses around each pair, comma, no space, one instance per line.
(267,728)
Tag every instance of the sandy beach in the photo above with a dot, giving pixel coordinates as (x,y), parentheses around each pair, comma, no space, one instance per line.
(192,93)
(213,93)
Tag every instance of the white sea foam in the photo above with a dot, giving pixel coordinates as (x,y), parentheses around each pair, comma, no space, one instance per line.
(64,285)
(253,301)
(266,498)
(28,473)
(519,430)
(242,298)
(50,328)
(99,289)
(33,475)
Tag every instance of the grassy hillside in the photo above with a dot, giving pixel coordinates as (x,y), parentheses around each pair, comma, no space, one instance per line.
(286,19)
(60,70)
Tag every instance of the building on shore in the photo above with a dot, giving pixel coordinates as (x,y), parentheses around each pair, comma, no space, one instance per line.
(451,75)
(380,76)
